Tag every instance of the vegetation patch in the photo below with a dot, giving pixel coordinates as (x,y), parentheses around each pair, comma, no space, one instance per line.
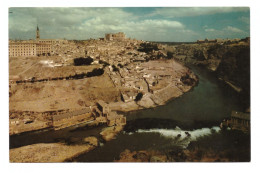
(82,61)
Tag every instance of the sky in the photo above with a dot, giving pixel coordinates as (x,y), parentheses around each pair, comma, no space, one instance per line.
(169,24)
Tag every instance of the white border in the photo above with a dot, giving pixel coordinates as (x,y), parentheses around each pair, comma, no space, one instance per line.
(126,167)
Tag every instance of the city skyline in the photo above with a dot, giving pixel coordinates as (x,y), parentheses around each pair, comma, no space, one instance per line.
(170,24)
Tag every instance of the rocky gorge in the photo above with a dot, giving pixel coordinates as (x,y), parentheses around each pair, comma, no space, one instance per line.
(229,61)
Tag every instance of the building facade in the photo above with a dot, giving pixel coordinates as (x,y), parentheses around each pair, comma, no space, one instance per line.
(238,121)
(117,36)
(22,48)
(43,48)
(30,48)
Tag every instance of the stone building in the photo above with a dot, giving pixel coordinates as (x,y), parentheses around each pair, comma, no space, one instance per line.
(30,48)
(200,41)
(115,119)
(117,36)
(43,48)
(22,48)
(72,118)
(240,121)
(237,121)
(103,107)
(108,116)
(109,37)
(219,40)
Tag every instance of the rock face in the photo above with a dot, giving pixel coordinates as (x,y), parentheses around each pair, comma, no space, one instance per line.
(230,62)
(110,133)
(235,68)
(142,156)
(91,141)
(157,159)
(181,155)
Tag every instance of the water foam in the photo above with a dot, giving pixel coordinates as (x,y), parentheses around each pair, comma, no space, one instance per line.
(180,137)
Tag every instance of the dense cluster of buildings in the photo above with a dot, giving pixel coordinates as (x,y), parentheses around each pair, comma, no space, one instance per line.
(49,47)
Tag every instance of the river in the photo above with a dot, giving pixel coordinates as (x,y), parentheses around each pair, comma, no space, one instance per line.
(198,112)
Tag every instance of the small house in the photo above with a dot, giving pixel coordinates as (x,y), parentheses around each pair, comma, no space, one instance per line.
(103,107)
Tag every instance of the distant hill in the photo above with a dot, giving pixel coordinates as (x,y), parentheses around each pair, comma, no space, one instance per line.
(172,43)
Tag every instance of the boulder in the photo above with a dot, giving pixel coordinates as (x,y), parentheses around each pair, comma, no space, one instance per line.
(142,156)
(110,133)
(91,141)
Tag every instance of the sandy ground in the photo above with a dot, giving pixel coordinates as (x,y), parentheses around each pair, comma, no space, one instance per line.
(51,152)
(62,94)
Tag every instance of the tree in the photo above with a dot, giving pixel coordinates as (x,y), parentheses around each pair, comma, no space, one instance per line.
(138,97)
(115,68)
(95,72)
(104,63)
(120,65)
(83,61)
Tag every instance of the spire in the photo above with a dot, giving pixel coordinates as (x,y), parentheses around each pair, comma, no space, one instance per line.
(37,32)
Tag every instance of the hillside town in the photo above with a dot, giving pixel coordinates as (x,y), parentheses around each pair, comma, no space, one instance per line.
(57,83)
(124,74)
(129,84)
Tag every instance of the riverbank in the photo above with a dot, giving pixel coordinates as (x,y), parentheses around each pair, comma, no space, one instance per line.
(52,152)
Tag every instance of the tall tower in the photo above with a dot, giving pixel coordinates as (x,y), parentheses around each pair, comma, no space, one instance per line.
(37,33)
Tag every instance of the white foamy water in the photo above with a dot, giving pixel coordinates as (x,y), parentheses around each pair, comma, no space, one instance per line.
(184,139)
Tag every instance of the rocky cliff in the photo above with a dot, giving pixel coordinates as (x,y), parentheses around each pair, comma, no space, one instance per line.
(230,62)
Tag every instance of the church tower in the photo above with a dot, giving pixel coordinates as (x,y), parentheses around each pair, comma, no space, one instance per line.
(37,33)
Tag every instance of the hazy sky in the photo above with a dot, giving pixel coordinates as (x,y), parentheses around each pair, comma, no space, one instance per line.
(151,24)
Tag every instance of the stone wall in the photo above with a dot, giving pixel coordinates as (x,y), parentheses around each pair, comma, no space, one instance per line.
(73,120)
